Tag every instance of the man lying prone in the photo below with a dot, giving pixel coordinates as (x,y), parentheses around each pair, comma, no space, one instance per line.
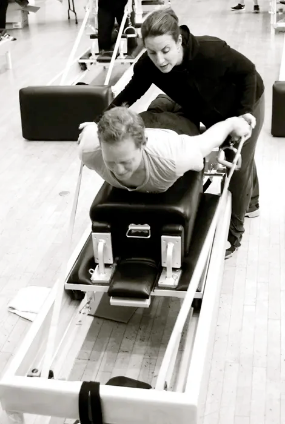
(130,156)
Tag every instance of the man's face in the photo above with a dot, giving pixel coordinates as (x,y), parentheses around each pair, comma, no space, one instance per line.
(164,52)
(122,158)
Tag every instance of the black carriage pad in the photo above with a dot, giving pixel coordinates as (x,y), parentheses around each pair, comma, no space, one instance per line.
(134,278)
(120,208)
(54,113)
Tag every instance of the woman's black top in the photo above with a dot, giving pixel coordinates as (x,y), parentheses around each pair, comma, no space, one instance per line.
(213,83)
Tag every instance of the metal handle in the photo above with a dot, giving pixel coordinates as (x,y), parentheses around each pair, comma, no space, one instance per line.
(237,152)
(138,231)
(225,162)
(133,34)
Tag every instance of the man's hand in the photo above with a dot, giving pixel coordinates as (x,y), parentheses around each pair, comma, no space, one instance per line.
(241,129)
(88,128)
(250,119)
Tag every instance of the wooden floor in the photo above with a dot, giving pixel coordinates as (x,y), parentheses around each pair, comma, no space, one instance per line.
(134,349)
(247,381)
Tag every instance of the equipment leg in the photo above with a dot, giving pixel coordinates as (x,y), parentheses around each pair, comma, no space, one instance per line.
(72,10)
(8,60)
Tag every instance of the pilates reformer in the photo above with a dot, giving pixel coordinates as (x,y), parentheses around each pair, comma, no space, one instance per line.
(125,39)
(169,244)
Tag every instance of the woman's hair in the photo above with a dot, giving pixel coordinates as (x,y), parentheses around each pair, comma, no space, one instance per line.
(160,22)
(120,123)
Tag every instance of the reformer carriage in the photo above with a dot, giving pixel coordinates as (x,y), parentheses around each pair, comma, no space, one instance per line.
(140,246)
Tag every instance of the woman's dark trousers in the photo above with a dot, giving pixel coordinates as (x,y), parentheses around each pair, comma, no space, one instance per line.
(106,22)
(244,183)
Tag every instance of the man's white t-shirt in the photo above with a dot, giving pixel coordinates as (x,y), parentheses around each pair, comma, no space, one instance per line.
(167,156)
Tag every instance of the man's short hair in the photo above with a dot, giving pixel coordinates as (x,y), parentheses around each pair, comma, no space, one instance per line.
(120,123)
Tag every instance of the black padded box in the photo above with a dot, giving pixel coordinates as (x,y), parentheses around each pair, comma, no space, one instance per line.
(278,109)
(54,113)
(119,208)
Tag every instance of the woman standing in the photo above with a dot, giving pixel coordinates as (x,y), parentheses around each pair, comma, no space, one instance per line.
(211,82)
(109,11)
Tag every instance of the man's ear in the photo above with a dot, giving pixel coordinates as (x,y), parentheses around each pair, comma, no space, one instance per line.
(145,141)
(179,41)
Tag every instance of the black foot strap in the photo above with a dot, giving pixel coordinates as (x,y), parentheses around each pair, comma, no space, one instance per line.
(90,410)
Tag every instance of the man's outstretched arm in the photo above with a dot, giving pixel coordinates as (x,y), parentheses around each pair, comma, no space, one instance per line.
(198,147)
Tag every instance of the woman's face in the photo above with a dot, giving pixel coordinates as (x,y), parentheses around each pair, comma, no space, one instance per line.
(164,51)
(122,158)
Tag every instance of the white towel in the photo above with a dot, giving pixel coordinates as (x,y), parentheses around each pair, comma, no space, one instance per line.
(28,301)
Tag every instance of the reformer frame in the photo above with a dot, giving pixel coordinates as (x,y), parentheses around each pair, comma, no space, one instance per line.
(57,397)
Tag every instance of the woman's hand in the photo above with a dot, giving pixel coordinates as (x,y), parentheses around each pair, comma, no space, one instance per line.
(87,129)
(241,129)
(250,119)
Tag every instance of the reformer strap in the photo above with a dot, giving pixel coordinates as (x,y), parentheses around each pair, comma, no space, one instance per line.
(96,407)
(90,410)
